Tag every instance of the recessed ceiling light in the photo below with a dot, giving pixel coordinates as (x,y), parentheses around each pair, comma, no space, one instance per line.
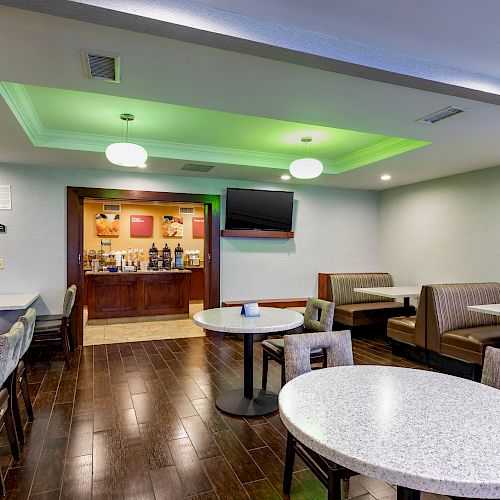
(285,177)
(386,177)
(142,166)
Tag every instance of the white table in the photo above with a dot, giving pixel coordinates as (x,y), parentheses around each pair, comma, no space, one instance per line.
(17,301)
(486,309)
(248,401)
(420,430)
(394,292)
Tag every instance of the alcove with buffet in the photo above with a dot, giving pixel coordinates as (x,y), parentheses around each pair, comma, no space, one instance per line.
(142,260)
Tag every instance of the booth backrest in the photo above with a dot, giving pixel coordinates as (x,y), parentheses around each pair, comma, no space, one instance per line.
(447,307)
(421,320)
(339,287)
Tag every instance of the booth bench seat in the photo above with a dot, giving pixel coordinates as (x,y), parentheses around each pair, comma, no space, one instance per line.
(453,330)
(355,309)
(470,344)
(411,330)
(402,329)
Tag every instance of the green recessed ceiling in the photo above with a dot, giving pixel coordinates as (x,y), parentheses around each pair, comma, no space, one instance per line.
(68,119)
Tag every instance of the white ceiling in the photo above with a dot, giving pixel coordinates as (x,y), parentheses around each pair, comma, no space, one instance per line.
(436,41)
(460,34)
(44,50)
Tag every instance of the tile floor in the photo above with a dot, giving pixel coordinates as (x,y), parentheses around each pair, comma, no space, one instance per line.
(143,330)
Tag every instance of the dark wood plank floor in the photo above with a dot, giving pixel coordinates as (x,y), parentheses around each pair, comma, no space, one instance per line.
(137,420)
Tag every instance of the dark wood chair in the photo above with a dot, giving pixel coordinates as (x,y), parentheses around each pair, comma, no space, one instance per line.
(10,346)
(28,320)
(56,330)
(318,317)
(338,352)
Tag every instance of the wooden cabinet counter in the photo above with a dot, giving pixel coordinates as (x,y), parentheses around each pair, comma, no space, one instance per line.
(197,282)
(143,293)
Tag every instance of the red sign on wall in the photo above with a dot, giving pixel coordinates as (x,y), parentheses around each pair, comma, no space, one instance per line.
(198,227)
(141,225)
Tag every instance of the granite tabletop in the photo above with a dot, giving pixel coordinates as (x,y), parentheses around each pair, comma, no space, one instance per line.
(413,428)
(392,291)
(486,309)
(230,320)
(17,301)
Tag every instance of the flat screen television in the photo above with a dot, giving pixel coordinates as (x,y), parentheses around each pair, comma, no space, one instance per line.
(259,209)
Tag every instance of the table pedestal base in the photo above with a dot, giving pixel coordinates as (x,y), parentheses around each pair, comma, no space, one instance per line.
(235,403)
(406,306)
(407,494)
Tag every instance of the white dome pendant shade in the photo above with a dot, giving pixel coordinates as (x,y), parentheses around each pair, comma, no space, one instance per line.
(126,154)
(306,168)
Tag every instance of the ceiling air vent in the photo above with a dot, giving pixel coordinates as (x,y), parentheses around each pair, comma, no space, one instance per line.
(440,115)
(101,66)
(186,210)
(191,167)
(111,207)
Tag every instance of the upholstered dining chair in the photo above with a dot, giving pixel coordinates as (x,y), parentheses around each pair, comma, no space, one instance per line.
(56,330)
(318,317)
(10,347)
(491,367)
(28,320)
(338,352)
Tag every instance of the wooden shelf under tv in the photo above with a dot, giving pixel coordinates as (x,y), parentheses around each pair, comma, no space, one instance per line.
(255,233)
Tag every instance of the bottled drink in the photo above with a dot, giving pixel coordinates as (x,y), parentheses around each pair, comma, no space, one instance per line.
(153,257)
(167,257)
(179,253)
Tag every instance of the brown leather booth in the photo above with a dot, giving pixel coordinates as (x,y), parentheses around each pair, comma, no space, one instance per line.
(453,330)
(411,330)
(355,309)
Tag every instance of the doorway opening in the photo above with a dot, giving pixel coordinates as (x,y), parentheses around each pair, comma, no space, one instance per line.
(111,227)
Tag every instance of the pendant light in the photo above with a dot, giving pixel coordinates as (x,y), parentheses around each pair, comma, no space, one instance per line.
(126,154)
(306,168)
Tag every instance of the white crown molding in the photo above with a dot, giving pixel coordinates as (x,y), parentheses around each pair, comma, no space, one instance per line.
(21,105)
(384,149)
(19,102)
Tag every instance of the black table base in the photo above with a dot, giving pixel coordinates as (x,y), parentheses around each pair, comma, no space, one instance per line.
(247,402)
(406,306)
(407,494)
(236,403)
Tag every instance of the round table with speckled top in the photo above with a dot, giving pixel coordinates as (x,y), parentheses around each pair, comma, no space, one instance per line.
(420,430)
(248,402)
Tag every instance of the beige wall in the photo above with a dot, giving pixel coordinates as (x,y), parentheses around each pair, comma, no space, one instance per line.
(442,231)
(93,242)
(250,267)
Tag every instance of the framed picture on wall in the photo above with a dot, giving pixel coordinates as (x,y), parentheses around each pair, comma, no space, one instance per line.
(141,226)
(172,227)
(107,224)
(198,227)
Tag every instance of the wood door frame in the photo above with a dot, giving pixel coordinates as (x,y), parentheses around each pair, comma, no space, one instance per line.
(74,223)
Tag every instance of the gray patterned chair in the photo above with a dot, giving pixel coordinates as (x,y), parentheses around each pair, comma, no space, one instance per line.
(10,348)
(338,348)
(56,330)
(28,320)
(354,309)
(318,317)
(455,332)
(491,367)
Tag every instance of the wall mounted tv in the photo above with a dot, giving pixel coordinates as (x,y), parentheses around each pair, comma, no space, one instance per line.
(259,209)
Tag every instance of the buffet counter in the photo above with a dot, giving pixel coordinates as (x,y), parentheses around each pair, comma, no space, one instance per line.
(142,293)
